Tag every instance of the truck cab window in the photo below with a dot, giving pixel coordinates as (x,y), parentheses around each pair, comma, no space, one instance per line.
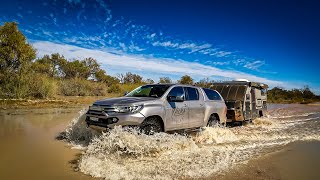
(212,95)
(177,92)
(192,94)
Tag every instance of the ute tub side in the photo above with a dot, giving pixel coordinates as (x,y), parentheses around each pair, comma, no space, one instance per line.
(215,107)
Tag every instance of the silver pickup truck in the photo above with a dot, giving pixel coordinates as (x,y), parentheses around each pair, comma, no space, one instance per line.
(160,108)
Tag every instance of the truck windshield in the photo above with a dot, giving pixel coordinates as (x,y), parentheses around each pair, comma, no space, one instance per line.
(154,90)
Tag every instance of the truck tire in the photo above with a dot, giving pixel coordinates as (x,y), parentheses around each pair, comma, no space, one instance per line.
(213,121)
(151,125)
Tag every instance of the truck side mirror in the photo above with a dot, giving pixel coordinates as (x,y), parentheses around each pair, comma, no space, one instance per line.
(175,99)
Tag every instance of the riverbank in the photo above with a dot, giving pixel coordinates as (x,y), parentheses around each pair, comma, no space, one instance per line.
(66,101)
(60,101)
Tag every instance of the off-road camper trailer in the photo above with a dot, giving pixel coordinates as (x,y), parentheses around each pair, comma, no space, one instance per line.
(245,100)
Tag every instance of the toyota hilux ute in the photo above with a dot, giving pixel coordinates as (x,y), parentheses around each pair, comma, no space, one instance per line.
(160,108)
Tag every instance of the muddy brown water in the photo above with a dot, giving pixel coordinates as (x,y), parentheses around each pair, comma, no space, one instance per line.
(28,149)
(285,145)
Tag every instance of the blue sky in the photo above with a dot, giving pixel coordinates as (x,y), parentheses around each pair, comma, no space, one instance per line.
(275,42)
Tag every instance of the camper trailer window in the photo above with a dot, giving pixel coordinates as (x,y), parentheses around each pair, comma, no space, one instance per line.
(212,95)
(241,93)
(263,92)
(233,92)
(218,88)
(225,91)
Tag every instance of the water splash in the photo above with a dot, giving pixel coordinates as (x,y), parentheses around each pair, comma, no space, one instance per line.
(128,154)
(77,133)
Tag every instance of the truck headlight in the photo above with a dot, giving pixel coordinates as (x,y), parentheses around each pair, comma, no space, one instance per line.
(95,108)
(129,109)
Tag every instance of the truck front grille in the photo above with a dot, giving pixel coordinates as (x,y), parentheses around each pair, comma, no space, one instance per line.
(101,110)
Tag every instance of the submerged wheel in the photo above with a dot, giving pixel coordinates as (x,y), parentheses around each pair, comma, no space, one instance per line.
(213,121)
(151,125)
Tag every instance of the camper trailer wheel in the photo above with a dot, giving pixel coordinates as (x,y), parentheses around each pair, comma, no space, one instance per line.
(213,121)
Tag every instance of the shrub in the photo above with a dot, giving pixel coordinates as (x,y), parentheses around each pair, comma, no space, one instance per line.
(114,88)
(82,87)
(41,86)
(128,87)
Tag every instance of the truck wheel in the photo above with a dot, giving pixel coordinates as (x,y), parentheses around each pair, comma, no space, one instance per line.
(213,121)
(151,125)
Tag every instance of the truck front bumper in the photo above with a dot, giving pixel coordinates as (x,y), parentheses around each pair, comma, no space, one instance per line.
(114,120)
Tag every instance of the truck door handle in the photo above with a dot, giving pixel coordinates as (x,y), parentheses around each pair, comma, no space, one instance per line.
(185,105)
(201,105)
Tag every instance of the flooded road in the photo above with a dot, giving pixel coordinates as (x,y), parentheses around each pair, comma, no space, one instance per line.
(270,148)
(28,149)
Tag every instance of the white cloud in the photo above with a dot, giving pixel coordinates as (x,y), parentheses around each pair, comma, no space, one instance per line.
(254,65)
(47,33)
(221,53)
(189,46)
(205,49)
(133,47)
(165,44)
(148,65)
(123,46)
(194,47)
(153,35)
(19,15)
(238,62)
(221,63)
(27,31)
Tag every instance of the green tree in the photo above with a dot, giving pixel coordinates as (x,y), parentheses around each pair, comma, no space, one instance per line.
(75,69)
(186,80)
(101,76)
(206,83)
(307,93)
(149,81)
(131,78)
(42,65)
(165,80)
(50,65)
(93,66)
(16,55)
(56,61)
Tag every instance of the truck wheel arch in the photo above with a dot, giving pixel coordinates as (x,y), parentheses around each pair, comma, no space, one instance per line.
(215,116)
(157,118)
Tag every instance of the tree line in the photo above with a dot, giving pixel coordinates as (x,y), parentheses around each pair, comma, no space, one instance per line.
(23,75)
(281,95)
